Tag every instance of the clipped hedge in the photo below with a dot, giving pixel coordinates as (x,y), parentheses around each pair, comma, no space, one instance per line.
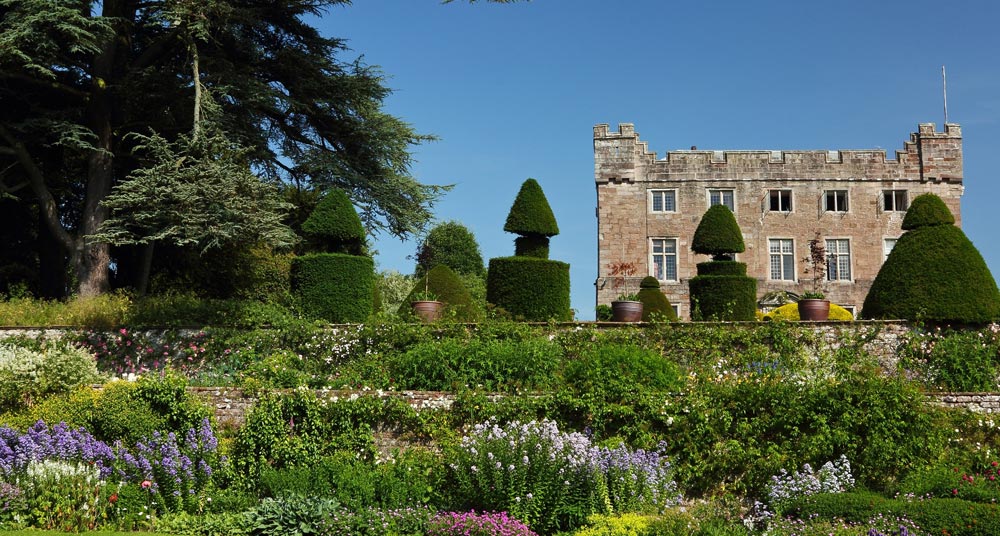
(722,268)
(531,214)
(528,287)
(335,287)
(655,305)
(954,517)
(927,210)
(723,297)
(934,274)
(448,288)
(334,225)
(531,246)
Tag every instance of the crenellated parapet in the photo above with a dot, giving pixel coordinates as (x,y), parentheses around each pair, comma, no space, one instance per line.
(928,155)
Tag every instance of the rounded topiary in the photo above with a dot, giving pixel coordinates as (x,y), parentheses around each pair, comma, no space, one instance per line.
(655,305)
(530,214)
(934,273)
(927,210)
(718,234)
(453,245)
(530,288)
(445,286)
(790,312)
(334,225)
(335,287)
(723,297)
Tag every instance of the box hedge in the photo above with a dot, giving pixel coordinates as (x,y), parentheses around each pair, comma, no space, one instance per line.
(722,268)
(655,305)
(335,287)
(531,214)
(723,297)
(718,234)
(334,225)
(530,288)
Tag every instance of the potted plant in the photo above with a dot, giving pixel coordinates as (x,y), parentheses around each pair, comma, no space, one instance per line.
(426,305)
(813,305)
(627,307)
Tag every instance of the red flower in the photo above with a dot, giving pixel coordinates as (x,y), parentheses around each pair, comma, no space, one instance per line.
(145,484)
(113,498)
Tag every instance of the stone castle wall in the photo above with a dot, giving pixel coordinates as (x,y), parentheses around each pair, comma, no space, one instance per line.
(626,172)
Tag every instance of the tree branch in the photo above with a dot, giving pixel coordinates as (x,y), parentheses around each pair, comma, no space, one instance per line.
(83,95)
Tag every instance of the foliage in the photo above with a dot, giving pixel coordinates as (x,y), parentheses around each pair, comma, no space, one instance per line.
(717,234)
(655,306)
(221,524)
(197,191)
(549,479)
(954,360)
(530,214)
(723,297)
(832,477)
(393,288)
(934,273)
(334,226)
(790,313)
(452,244)
(529,288)
(291,514)
(473,524)
(722,268)
(532,246)
(492,365)
(934,516)
(68,496)
(927,210)
(409,521)
(27,375)
(816,265)
(335,287)
(446,287)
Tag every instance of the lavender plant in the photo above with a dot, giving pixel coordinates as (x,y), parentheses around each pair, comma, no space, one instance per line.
(553,480)
(832,477)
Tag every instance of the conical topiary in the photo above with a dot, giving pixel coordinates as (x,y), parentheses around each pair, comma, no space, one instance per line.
(530,214)
(718,234)
(445,286)
(334,225)
(933,273)
(655,305)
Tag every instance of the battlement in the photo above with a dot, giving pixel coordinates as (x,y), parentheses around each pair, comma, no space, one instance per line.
(928,155)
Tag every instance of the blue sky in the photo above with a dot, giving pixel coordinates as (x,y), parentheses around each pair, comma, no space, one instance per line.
(513,91)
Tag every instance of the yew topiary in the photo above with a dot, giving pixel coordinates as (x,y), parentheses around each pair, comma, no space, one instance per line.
(530,214)
(933,273)
(718,234)
(334,225)
(655,305)
(445,286)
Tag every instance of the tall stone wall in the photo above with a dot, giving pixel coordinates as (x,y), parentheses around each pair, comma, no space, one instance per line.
(626,173)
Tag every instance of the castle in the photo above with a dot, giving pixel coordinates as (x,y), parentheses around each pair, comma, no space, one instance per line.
(854,200)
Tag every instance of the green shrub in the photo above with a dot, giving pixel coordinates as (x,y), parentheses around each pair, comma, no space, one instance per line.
(122,414)
(334,287)
(955,360)
(447,287)
(27,375)
(493,365)
(291,514)
(531,246)
(933,273)
(530,214)
(453,245)
(280,370)
(851,506)
(603,312)
(655,306)
(334,225)
(529,288)
(717,234)
(723,297)
(615,373)
(208,524)
(722,268)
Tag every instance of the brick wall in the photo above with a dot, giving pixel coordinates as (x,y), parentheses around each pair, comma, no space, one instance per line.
(626,171)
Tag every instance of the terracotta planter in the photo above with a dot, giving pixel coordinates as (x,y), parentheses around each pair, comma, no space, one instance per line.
(626,311)
(427,311)
(816,310)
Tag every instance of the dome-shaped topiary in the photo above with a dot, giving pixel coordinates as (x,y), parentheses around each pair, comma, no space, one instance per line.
(453,245)
(717,234)
(655,305)
(530,214)
(933,273)
(927,210)
(334,225)
(649,282)
(445,286)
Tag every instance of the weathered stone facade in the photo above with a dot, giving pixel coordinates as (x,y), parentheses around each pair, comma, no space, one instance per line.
(648,208)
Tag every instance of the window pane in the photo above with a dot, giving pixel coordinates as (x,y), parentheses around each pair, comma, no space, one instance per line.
(657,201)
(670,269)
(789,267)
(669,204)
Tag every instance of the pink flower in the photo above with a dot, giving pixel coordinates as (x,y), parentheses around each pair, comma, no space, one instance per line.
(145,484)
